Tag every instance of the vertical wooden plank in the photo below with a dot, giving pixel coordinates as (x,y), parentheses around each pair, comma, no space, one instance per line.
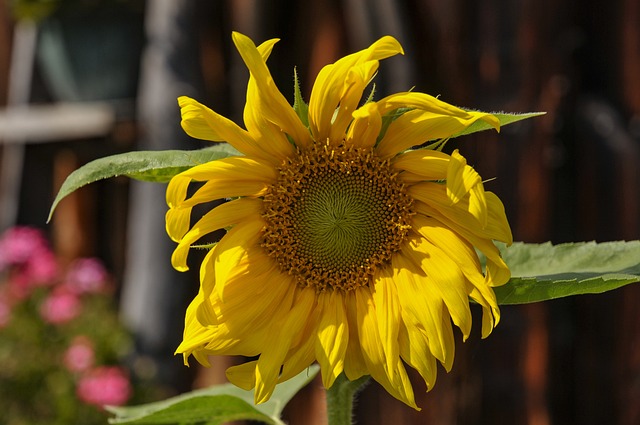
(74,233)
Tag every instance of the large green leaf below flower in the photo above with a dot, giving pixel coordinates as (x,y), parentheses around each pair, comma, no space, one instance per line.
(152,166)
(215,405)
(544,272)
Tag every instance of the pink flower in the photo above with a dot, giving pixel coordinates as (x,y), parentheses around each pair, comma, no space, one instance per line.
(86,275)
(42,270)
(25,253)
(20,243)
(104,386)
(80,356)
(60,307)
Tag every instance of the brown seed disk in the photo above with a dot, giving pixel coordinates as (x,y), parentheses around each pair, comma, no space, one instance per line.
(335,215)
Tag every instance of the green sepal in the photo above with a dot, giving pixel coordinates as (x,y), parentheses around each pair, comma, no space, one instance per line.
(151,166)
(371,95)
(504,118)
(215,405)
(388,118)
(299,105)
(543,272)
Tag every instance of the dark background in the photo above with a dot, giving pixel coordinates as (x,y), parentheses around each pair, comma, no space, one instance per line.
(571,175)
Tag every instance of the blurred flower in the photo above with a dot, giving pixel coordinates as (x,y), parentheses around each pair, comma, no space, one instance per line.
(343,245)
(60,307)
(105,386)
(21,243)
(80,356)
(86,275)
(27,259)
(42,268)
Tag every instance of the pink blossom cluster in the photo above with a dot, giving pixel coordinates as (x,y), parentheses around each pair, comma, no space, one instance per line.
(26,256)
(60,307)
(87,276)
(80,356)
(28,262)
(97,385)
(104,385)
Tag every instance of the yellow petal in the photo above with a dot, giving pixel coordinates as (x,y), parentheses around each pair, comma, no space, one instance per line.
(365,127)
(272,358)
(385,298)
(195,335)
(430,119)
(254,298)
(421,307)
(435,195)
(354,365)
(232,250)
(414,128)
(206,315)
(302,353)
(414,349)
(222,216)
(357,79)
(394,380)
(243,375)
(497,270)
(461,251)
(453,245)
(177,221)
(484,296)
(460,177)
(245,329)
(428,103)
(447,331)
(329,87)
(497,222)
(268,100)
(268,135)
(447,281)
(200,122)
(426,164)
(333,336)
(463,180)
(228,177)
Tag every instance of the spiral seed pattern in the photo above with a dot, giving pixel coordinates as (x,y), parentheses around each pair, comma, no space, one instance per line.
(335,215)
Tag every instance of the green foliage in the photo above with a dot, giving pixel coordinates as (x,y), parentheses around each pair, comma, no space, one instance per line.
(544,272)
(152,166)
(215,405)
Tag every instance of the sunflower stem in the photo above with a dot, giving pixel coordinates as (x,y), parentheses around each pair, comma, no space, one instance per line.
(340,399)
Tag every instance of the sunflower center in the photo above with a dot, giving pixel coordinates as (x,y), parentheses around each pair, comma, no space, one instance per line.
(335,215)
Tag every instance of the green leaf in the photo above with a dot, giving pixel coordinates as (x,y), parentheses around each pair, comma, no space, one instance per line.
(152,166)
(215,405)
(544,272)
(505,119)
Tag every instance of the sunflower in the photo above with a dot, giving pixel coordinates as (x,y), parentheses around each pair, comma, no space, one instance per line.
(343,245)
